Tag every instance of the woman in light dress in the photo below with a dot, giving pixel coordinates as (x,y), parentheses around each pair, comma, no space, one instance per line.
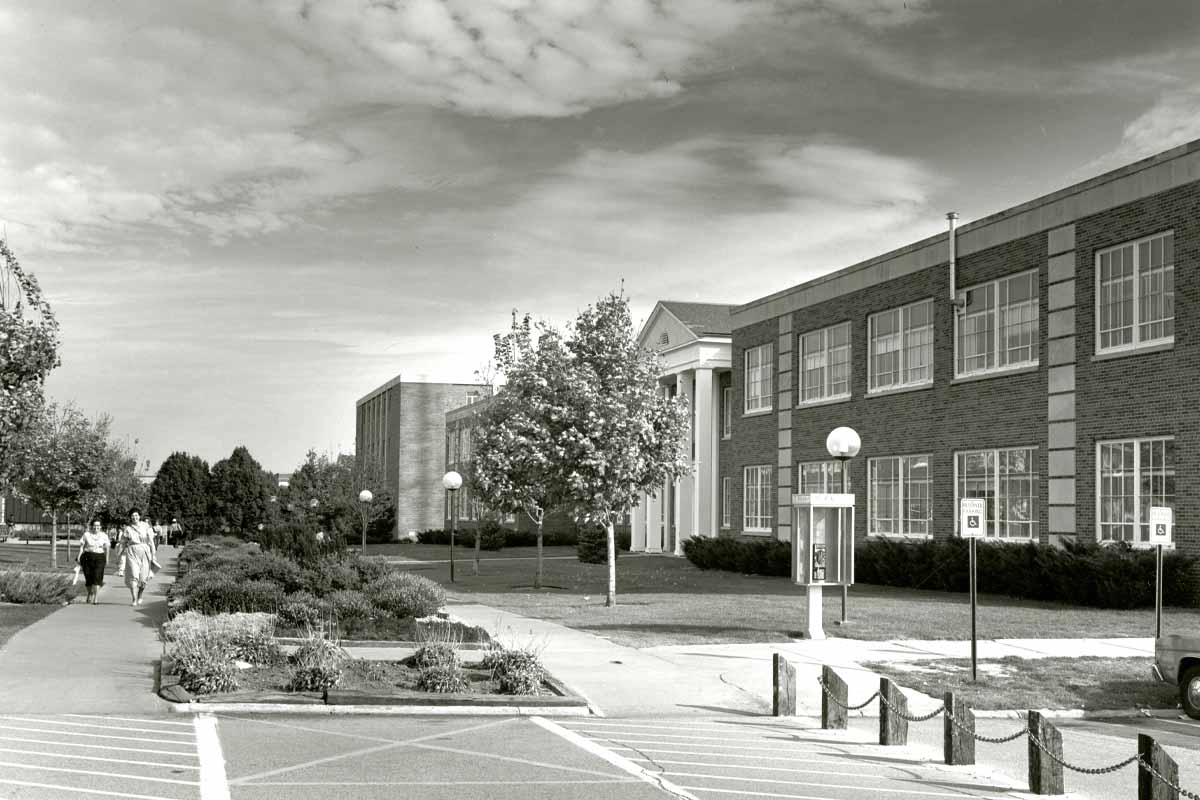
(136,553)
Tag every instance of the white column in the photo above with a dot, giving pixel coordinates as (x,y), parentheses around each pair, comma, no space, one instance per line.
(704,492)
(654,524)
(637,533)
(685,496)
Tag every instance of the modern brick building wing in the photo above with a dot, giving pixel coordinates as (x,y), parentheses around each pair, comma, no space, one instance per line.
(1057,379)
(401,428)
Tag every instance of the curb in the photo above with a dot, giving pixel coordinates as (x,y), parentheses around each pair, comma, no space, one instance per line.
(360,710)
(1082,713)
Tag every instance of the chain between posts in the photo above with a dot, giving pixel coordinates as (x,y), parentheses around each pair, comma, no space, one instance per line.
(1084,770)
(905,716)
(988,739)
(831,696)
(1182,791)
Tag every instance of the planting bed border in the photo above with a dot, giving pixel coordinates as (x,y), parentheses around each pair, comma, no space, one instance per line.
(562,700)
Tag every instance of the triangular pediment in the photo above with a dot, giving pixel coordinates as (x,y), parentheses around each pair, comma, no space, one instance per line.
(663,331)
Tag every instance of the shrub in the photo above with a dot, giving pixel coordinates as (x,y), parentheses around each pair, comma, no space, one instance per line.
(316,665)
(203,662)
(331,575)
(298,541)
(350,606)
(369,671)
(370,568)
(592,546)
(403,594)
(491,535)
(255,648)
(193,623)
(760,557)
(20,586)
(436,654)
(303,610)
(314,678)
(517,672)
(442,679)
(214,593)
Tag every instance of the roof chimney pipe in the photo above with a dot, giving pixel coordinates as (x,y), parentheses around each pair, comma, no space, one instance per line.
(952,236)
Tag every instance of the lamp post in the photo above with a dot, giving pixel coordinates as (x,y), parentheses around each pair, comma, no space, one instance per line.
(452,482)
(364,502)
(843,444)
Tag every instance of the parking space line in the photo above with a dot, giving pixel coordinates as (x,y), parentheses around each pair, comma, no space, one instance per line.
(83,733)
(756,794)
(497,757)
(246,779)
(619,761)
(305,729)
(106,759)
(881,789)
(96,746)
(732,727)
(454,783)
(52,721)
(674,735)
(93,773)
(132,719)
(56,787)
(213,783)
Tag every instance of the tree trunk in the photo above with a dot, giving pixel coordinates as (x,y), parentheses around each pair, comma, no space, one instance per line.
(611,599)
(54,539)
(537,576)
(478,530)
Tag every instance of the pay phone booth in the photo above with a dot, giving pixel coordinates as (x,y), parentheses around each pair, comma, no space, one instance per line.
(822,549)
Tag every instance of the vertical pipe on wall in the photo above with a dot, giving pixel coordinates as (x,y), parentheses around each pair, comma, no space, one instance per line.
(952,219)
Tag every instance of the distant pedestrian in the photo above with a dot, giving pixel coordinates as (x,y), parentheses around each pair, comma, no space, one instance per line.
(158,532)
(137,554)
(174,532)
(94,545)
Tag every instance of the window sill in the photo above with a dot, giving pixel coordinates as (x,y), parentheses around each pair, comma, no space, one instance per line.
(829,401)
(916,387)
(1158,347)
(726,437)
(1024,369)
(757,532)
(757,413)
(912,537)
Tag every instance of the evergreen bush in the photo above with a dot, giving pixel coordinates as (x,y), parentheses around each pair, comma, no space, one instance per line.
(592,545)
(403,594)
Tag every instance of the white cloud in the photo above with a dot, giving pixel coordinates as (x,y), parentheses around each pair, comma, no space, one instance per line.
(1173,120)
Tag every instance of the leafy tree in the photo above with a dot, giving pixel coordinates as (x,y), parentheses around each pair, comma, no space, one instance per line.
(118,488)
(239,493)
(28,352)
(327,490)
(623,437)
(180,491)
(67,463)
(513,468)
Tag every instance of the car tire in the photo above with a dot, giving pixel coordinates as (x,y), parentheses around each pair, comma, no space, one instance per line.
(1189,692)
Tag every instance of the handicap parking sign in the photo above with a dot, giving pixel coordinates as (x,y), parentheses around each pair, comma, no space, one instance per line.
(971,520)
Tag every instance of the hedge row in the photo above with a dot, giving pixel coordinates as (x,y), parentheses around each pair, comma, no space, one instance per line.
(495,537)
(1083,574)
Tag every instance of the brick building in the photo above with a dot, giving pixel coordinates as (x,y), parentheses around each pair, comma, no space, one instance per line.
(1035,357)
(400,428)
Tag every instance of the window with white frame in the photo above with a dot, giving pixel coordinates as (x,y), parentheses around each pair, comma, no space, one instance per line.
(726,502)
(1135,294)
(821,477)
(1008,480)
(1132,476)
(757,499)
(727,412)
(898,501)
(901,347)
(758,377)
(998,327)
(825,364)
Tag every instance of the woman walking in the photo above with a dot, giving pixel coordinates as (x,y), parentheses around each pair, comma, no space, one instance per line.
(93,556)
(137,554)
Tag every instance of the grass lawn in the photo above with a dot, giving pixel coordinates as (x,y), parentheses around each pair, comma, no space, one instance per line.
(441,552)
(15,616)
(36,557)
(1020,683)
(666,600)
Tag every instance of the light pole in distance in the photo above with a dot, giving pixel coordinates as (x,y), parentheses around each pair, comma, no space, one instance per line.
(843,444)
(452,482)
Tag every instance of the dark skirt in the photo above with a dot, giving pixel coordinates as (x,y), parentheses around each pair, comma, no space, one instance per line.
(93,568)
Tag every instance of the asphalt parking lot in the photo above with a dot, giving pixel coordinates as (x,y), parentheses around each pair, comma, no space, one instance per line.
(437,758)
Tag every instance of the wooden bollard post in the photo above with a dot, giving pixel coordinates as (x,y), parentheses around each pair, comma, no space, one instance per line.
(893,728)
(833,709)
(1045,774)
(1150,787)
(958,735)
(783,696)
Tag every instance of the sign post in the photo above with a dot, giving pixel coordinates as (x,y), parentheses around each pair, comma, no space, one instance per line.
(1161,522)
(972,522)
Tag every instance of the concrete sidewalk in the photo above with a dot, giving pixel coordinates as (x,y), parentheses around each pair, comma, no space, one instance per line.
(91,659)
(679,680)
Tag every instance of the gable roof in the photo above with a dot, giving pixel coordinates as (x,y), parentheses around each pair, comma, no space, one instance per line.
(702,318)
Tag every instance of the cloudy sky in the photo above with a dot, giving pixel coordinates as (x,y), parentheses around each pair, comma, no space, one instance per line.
(249,214)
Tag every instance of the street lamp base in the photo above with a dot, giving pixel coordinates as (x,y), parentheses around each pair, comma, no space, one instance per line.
(813,628)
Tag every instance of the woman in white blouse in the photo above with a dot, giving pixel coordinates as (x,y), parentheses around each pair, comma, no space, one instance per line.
(92,558)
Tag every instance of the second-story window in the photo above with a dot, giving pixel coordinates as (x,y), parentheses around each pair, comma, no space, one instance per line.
(758,377)
(998,326)
(825,364)
(901,342)
(1135,294)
